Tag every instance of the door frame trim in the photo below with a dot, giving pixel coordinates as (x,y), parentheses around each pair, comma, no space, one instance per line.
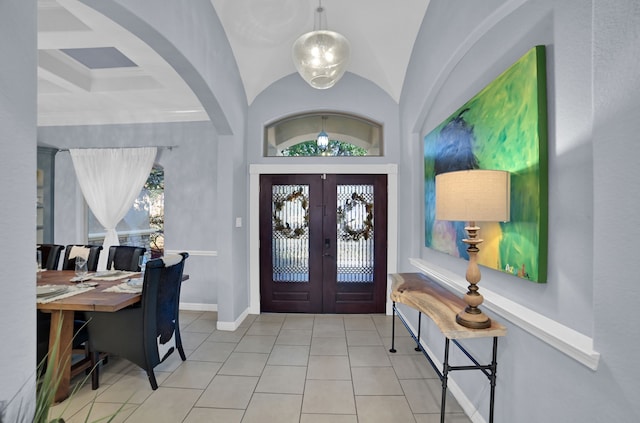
(255,170)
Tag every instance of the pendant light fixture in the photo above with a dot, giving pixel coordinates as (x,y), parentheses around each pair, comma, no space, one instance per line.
(321,56)
(323,139)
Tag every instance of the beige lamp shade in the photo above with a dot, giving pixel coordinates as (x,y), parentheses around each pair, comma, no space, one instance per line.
(473,196)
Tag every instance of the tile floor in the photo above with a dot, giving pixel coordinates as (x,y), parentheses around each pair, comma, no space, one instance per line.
(275,368)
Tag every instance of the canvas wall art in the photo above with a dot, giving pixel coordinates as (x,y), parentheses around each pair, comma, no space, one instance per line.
(503,127)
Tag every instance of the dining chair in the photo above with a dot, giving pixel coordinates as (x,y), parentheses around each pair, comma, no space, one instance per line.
(93,255)
(51,258)
(125,257)
(148,334)
(50,255)
(69,263)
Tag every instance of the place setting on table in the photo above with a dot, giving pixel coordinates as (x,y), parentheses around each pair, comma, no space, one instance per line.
(51,287)
(133,282)
(55,285)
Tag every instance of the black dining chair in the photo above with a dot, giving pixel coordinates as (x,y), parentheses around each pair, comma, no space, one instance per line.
(69,263)
(125,257)
(50,255)
(51,259)
(92,258)
(148,334)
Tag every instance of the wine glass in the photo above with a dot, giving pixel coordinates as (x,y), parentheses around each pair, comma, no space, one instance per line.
(81,268)
(38,263)
(142,262)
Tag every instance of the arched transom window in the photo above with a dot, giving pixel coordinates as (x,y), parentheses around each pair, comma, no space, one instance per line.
(323,134)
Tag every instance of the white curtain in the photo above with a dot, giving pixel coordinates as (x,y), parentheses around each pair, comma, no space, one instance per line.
(110,180)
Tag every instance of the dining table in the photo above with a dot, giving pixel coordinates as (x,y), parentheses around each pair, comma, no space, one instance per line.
(105,296)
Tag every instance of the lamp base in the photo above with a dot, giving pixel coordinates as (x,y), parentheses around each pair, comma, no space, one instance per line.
(473,320)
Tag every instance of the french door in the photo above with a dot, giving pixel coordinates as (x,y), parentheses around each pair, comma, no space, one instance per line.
(323,243)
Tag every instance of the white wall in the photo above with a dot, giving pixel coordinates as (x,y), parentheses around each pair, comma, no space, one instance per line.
(592,96)
(17,211)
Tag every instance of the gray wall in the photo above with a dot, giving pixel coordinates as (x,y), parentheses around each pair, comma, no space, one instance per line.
(183,36)
(592,70)
(461,66)
(352,94)
(592,49)
(190,190)
(17,211)
(616,148)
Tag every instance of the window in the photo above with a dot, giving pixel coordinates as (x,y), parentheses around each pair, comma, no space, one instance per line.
(333,148)
(143,224)
(348,135)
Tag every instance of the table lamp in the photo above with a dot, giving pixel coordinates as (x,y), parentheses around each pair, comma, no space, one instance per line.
(473,196)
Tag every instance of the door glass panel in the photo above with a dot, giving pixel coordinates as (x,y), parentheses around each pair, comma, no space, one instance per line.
(290,233)
(355,253)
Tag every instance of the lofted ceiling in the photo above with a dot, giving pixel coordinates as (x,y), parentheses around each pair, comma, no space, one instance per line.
(92,71)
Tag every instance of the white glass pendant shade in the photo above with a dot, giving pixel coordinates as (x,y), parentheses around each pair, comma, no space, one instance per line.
(321,57)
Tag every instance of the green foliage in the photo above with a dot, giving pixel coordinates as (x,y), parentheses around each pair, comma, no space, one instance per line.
(155,189)
(155,182)
(335,148)
(47,383)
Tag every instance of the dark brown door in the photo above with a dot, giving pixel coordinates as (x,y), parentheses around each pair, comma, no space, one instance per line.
(323,243)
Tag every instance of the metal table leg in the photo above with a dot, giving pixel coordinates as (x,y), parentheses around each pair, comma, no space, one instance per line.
(445,373)
(417,348)
(393,328)
(492,379)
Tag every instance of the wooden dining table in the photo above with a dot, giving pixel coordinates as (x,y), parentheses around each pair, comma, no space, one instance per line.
(62,318)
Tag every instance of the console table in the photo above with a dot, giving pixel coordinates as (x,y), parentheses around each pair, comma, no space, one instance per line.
(421,293)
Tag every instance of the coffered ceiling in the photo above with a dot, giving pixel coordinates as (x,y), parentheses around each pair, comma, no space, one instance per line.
(92,71)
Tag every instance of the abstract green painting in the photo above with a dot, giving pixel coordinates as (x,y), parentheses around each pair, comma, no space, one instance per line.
(503,127)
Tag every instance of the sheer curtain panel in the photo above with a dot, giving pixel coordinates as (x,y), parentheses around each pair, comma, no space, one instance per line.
(110,180)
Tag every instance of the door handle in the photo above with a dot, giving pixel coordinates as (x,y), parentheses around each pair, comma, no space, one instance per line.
(327,247)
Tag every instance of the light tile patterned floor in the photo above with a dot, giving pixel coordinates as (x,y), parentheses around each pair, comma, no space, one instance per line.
(275,368)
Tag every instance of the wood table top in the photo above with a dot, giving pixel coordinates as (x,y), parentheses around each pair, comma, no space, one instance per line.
(93,300)
(421,293)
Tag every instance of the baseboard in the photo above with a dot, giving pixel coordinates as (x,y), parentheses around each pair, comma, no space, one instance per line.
(198,307)
(220,325)
(231,326)
(203,253)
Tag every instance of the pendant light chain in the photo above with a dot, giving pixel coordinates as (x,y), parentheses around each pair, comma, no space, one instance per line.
(317,26)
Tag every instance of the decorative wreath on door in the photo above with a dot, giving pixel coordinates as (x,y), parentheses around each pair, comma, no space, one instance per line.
(285,228)
(349,231)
